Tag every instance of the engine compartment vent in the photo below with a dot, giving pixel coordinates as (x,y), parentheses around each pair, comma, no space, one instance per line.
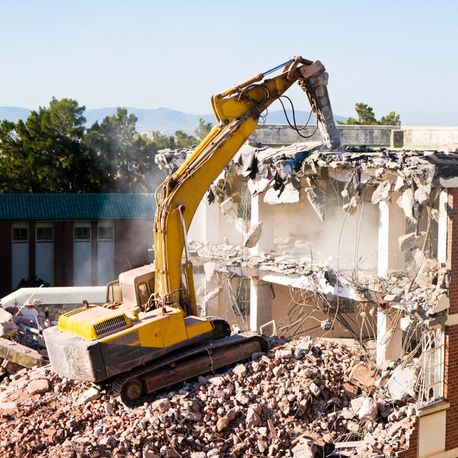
(117,323)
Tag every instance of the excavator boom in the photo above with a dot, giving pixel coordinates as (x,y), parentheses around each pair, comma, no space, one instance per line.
(237,110)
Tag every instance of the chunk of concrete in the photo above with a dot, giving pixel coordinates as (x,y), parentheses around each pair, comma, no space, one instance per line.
(411,241)
(38,386)
(7,326)
(368,409)
(363,376)
(19,354)
(226,206)
(381,193)
(402,383)
(406,202)
(441,303)
(89,395)
(253,236)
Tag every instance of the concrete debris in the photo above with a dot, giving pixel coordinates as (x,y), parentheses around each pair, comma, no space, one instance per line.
(253,236)
(278,173)
(170,160)
(226,206)
(402,382)
(412,240)
(8,328)
(19,354)
(284,403)
(316,197)
(381,193)
(21,342)
(410,290)
(406,201)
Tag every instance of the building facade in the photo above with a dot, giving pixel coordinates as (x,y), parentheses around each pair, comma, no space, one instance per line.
(358,244)
(72,239)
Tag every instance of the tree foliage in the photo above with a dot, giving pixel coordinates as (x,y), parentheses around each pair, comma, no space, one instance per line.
(124,157)
(366,116)
(45,153)
(53,152)
(203,129)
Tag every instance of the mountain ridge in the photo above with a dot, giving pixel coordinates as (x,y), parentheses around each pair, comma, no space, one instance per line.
(161,119)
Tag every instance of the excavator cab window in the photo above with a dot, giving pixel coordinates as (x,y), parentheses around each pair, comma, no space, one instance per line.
(143,293)
(113,292)
(151,285)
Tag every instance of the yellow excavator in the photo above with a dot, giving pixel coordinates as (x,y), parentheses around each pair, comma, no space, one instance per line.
(148,335)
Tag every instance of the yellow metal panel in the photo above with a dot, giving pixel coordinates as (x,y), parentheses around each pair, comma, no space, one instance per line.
(158,332)
(82,323)
(199,328)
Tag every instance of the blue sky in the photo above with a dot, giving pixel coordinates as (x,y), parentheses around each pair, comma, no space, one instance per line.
(394,55)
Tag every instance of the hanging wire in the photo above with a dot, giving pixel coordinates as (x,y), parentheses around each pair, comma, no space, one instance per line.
(293,125)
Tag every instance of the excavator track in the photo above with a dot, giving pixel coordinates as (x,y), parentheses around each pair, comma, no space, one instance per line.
(137,386)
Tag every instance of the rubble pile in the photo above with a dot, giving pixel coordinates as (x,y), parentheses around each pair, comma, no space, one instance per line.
(21,341)
(303,399)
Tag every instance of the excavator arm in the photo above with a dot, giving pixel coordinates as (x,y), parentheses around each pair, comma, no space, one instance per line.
(237,110)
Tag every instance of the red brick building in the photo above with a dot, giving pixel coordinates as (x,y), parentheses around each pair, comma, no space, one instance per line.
(72,239)
(438,423)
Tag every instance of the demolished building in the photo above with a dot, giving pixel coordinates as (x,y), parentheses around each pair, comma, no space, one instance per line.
(358,244)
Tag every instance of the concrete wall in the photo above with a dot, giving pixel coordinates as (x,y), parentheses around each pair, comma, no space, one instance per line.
(388,136)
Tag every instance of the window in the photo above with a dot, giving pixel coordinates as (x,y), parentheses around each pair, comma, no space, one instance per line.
(82,233)
(242,305)
(143,293)
(20,234)
(45,234)
(105,232)
(431,380)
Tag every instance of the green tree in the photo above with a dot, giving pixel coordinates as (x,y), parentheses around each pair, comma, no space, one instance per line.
(45,153)
(124,157)
(162,140)
(184,140)
(366,116)
(391,119)
(203,129)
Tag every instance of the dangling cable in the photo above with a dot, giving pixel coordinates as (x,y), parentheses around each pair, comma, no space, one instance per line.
(294,125)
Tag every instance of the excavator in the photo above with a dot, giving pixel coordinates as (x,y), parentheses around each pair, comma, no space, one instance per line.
(149,334)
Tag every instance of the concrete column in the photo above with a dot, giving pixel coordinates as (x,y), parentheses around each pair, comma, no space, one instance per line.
(260,303)
(383,238)
(389,337)
(260,291)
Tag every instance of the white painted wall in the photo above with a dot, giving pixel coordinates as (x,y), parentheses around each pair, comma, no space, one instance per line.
(341,240)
